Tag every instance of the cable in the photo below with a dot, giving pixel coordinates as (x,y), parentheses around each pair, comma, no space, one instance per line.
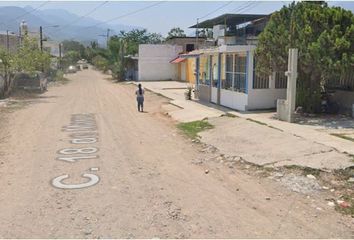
(249,7)
(33,10)
(246,5)
(127,14)
(224,5)
(15,19)
(85,15)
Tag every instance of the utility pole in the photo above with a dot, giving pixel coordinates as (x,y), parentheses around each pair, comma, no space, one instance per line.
(122,60)
(60,55)
(20,33)
(196,35)
(41,38)
(7,41)
(108,30)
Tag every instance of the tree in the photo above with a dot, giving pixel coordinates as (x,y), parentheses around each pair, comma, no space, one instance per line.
(70,45)
(176,32)
(29,58)
(101,63)
(119,46)
(136,36)
(324,37)
(70,58)
(5,71)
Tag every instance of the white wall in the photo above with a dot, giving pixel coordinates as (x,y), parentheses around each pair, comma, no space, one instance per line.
(218,31)
(154,62)
(235,100)
(264,98)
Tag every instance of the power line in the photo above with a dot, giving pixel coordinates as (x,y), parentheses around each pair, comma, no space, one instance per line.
(85,15)
(222,6)
(249,7)
(238,9)
(33,10)
(128,14)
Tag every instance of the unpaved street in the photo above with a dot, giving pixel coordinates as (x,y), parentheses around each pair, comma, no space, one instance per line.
(139,181)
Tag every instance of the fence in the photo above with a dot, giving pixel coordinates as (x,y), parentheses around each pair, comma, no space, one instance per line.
(281,81)
(260,81)
(344,81)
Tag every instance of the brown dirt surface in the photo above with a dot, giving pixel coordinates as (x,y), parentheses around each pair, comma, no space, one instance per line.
(150,185)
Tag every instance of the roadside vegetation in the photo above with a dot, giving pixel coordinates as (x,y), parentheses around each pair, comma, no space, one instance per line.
(111,59)
(191,129)
(324,37)
(344,136)
(115,58)
(27,59)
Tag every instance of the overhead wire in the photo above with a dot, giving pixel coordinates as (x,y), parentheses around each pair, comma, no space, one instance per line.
(33,10)
(249,7)
(127,14)
(26,12)
(85,15)
(222,6)
(246,5)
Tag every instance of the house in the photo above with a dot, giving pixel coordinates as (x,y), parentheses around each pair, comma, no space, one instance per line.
(189,43)
(225,74)
(154,62)
(154,59)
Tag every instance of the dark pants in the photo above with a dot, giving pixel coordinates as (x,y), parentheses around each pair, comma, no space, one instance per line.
(140,101)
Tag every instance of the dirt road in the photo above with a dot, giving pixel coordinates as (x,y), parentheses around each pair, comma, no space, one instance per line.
(139,181)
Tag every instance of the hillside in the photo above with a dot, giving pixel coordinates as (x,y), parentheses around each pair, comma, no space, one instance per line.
(10,18)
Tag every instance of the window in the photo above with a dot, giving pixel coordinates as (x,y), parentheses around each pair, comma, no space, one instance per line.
(236,69)
(229,72)
(189,47)
(240,73)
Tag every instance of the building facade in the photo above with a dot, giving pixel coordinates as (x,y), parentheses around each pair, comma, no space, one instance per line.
(225,74)
(154,62)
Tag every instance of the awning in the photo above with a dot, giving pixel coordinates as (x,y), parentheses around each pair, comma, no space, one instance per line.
(177,60)
(184,56)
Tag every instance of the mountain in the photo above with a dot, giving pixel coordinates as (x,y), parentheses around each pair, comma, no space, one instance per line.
(69,26)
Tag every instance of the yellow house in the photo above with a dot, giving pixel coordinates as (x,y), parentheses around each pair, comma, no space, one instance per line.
(187,65)
(225,75)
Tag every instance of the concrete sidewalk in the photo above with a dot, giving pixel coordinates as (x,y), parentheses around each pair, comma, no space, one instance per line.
(186,110)
(265,146)
(193,110)
(311,133)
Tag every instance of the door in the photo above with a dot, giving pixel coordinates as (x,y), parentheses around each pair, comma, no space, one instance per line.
(214,80)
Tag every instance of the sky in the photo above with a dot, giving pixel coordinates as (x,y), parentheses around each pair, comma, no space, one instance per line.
(165,15)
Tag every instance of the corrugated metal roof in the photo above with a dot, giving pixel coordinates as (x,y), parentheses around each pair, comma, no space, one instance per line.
(228,19)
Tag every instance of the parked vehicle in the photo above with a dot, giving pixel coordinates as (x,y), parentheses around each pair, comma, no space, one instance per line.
(85,66)
(28,81)
(71,69)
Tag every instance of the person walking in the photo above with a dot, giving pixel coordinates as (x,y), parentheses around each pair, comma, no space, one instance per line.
(140,98)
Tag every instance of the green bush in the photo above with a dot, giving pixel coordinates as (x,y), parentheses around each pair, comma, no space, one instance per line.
(117,71)
(101,63)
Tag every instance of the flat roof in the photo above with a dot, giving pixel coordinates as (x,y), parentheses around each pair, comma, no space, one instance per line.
(188,37)
(229,19)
